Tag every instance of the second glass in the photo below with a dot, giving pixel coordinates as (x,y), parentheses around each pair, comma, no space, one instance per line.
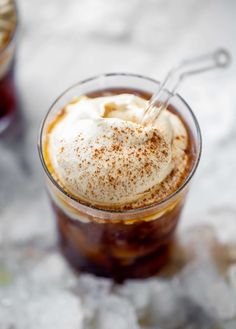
(8,94)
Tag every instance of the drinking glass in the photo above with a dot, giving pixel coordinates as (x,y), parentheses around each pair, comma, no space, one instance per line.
(118,243)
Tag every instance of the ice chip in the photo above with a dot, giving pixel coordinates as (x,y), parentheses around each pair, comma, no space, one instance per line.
(52,269)
(138,292)
(202,284)
(91,290)
(91,285)
(116,313)
(165,308)
(57,309)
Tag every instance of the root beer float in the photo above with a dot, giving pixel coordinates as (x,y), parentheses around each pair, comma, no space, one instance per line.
(117,187)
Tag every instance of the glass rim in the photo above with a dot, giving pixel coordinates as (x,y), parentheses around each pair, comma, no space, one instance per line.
(14,32)
(128,211)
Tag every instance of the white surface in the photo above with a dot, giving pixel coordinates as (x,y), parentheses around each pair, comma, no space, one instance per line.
(62,42)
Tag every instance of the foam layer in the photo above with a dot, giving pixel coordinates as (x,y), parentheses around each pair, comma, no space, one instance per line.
(101,154)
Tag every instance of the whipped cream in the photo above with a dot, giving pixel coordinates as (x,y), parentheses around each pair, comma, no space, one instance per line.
(101,154)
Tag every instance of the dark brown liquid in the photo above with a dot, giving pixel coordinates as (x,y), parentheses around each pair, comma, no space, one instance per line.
(8,97)
(117,249)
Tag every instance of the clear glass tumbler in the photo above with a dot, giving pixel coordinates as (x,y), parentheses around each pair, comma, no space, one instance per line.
(8,29)
(118,244)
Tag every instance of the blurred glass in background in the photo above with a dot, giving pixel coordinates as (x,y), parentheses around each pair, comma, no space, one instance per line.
(8,24)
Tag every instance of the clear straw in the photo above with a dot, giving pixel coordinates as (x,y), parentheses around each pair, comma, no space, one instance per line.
(160,100)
